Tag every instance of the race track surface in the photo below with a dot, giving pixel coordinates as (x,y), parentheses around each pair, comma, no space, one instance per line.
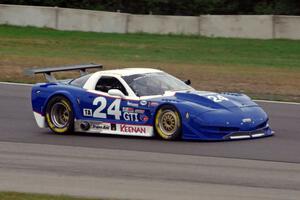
(35,160)
(18,125)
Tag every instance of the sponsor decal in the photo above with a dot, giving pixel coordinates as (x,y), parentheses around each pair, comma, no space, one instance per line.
(101,126)
(143,103)
(87,112)
(132,129)
(130,116)
(132,104)
(153,104)
(139,111)
(127,109)
(113,127)
(247,120)
(144,118)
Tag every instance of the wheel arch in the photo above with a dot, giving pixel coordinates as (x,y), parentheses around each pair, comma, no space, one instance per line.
(156,112)
(162,105)
(66,95)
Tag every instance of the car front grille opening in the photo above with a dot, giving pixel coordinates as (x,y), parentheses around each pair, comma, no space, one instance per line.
(262,125)
(229,129)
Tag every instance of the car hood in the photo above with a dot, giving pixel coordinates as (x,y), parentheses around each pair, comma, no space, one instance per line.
(211,100)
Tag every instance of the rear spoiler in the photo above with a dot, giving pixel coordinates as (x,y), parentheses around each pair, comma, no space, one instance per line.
(48,70)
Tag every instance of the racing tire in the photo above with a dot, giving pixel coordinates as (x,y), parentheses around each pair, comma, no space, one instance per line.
(60,115)
(168,123)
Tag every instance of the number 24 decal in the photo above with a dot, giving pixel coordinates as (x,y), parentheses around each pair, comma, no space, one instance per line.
(113,109)
(218,98)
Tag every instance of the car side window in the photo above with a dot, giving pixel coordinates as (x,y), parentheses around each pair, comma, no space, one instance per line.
(79,82)
(106,83)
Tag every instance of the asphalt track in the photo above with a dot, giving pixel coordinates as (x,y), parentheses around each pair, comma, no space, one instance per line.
(266,168)
(18,125)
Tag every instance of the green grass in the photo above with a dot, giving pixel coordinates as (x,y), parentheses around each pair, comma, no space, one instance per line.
(264,69)
(154,48)
(28,196)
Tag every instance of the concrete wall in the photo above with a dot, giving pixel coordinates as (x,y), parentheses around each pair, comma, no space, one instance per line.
(86,20)
(163,24)
(27,16)
(287,27)
(242,26)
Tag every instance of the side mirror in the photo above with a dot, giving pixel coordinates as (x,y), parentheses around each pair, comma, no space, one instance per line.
(116,92)
(188,82)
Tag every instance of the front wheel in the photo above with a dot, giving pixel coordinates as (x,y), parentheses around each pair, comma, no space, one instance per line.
(59,115)
(168,123)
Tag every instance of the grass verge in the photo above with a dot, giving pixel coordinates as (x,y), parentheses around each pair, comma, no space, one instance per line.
(29,196)
(261,68)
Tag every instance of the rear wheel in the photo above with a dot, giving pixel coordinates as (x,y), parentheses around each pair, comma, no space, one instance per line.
(59,115)
(168,123)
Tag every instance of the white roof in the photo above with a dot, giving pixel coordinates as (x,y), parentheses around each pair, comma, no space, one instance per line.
(129,71)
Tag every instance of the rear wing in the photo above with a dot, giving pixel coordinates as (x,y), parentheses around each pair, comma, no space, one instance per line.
(49,70)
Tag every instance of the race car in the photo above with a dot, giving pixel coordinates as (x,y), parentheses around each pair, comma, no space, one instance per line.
(143,102)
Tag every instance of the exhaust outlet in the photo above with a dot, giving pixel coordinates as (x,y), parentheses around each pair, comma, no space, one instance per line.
(85,126)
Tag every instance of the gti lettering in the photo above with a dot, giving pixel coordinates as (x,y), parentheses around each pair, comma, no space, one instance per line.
(130,116)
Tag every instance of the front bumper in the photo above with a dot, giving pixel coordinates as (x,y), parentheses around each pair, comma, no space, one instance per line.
(264,132)
(190,133)
(227,124)
(226,127)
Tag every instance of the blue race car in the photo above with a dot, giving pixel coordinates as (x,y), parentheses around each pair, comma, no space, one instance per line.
(143,102)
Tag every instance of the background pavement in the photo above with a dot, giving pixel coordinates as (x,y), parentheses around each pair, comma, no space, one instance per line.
(35,160)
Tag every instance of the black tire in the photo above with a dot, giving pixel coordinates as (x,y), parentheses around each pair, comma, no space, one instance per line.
(168,123)
(60,115)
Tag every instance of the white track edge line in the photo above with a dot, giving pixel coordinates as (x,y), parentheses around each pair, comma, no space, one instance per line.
(19,84)
(279,102)
(257,100)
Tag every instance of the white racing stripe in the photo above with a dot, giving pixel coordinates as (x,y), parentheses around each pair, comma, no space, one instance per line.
(256,100)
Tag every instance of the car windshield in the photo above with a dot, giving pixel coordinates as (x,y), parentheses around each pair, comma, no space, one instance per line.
(154,84)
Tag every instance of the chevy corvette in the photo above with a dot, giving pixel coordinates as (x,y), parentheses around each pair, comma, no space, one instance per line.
(142,102)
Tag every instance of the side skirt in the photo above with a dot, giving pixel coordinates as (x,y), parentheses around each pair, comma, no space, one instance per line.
(99,127)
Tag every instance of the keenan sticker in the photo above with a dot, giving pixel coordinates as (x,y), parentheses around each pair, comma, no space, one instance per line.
(132,129)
